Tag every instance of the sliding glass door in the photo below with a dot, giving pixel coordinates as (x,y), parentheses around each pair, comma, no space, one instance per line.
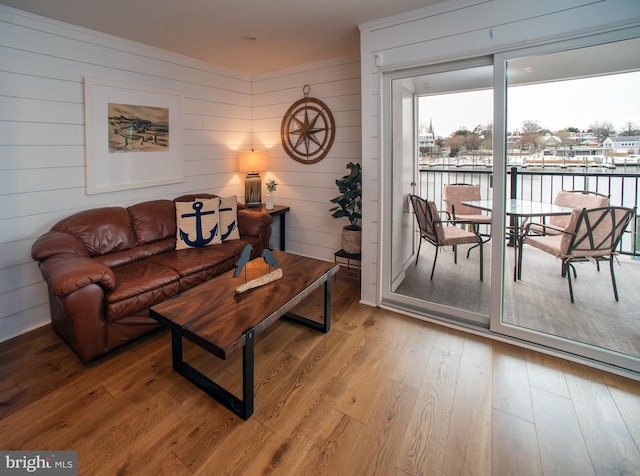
(572,130)
(525,126)
(439,118)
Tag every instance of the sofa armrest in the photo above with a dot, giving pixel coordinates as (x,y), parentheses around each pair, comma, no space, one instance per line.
(67,272)
(56,242)
(252,223)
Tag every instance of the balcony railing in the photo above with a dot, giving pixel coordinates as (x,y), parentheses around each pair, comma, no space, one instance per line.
(622,187)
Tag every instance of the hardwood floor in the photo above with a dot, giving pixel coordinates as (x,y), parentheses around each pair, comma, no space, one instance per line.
(379,394)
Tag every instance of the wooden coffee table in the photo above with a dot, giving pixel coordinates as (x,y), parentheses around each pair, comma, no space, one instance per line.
(212,316)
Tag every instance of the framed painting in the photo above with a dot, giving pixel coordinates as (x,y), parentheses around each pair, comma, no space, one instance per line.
(133,136)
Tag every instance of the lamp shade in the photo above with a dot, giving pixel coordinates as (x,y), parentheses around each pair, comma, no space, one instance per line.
(253,161)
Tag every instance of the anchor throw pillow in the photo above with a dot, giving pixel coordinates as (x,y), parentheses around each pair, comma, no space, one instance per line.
(198,223)
(229,218)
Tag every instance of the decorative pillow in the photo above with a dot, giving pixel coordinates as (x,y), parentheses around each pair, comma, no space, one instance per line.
(197,223)
(229,218)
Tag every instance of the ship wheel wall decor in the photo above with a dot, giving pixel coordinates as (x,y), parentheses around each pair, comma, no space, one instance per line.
(307,130)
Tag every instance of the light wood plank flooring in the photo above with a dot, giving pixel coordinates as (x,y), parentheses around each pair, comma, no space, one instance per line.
(379,394)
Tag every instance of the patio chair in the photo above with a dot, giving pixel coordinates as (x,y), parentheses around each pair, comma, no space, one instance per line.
(439,232)
(577,199)
(453,195)
(592,235)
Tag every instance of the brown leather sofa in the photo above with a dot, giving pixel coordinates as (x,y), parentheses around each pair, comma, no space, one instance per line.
(106,267)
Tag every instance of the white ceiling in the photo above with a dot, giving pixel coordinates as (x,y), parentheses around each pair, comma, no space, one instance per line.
(288,32)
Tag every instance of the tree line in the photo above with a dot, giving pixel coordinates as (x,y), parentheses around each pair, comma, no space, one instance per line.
(529,135)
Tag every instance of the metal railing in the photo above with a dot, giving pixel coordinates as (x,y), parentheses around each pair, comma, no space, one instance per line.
(623,188)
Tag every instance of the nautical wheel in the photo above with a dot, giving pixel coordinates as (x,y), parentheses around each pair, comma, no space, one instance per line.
(307,130)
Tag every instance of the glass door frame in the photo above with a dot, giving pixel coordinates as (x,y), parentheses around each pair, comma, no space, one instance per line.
(390,299)
(569,348)
(492,325)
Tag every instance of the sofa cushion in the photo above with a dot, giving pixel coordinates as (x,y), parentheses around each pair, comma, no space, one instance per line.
(253,223)
(140,303)
(229,218)
(197,223)
(140,252)
(191,197)
(102,230)
(197,265)
(193,260)
(139,285)
(153,221)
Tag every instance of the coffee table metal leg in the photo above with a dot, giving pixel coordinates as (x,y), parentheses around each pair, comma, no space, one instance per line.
(243,408)
(327,305)
(324,326)
(247,374)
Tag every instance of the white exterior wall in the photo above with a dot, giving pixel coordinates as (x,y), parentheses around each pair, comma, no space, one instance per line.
(622,146)
(451,31)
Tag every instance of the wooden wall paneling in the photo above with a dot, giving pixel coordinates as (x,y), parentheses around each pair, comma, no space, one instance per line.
(19,276)
(35,157)
(307,189)
(42,138)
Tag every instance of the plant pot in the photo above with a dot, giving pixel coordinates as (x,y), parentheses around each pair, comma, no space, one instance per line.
(270,201)
(351,241)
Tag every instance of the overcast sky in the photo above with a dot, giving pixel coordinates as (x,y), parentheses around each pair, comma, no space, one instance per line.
(555,106)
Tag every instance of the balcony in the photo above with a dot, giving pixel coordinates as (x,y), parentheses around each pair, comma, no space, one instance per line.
(621,184)
(540,301)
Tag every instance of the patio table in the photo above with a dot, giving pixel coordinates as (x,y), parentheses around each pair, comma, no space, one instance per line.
(520,212)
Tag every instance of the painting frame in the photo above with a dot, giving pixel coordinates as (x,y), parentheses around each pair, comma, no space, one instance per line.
(110,168)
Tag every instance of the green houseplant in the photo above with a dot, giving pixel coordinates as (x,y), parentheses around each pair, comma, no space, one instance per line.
(272,186)
(349,205)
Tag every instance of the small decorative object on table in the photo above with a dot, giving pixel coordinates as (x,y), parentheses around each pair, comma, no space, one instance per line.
(262,280)
(271,187)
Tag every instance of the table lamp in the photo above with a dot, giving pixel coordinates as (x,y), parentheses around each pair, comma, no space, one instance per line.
(252,162)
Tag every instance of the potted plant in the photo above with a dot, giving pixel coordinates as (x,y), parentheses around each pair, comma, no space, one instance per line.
(271,187)
(349,204)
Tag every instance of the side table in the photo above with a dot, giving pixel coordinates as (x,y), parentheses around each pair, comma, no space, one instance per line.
(353,262)
(278,210)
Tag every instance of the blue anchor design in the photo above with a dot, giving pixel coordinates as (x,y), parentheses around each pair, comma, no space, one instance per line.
(229,230)
(200,239)
(231,226)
